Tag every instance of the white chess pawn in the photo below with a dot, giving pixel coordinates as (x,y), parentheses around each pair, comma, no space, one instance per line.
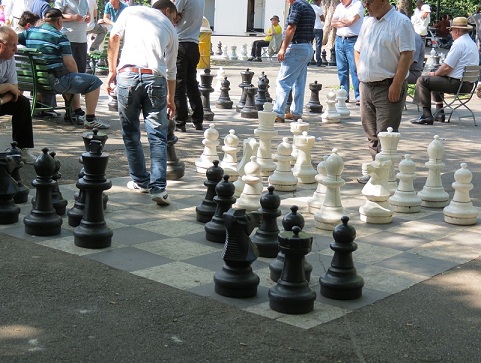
(330,213)
(303,169)
(225,55)
(331,115)
(244,55)
(219,78)
(266,132)
(211,141)
(283,179)
(433,194)
(233,53)
(251,195)
(405,199)
(317,199)
(461,211)
(297,128)
(341,103)
(230,149)
(377,209)
(250,146)
(389,142)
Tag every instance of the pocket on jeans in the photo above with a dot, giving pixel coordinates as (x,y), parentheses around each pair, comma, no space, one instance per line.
(124,95)
(158,97)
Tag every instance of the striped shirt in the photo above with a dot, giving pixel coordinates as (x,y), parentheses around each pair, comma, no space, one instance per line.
(303,16)
(48,40)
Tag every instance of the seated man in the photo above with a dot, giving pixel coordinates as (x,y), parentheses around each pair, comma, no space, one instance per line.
(417,65)
(26,21)
(447,77)
(275,28)
(12,102)
(63,74)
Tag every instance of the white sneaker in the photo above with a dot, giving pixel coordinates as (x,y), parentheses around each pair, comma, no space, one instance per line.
(161,198)
(27,157)
(96,124)
(134,186)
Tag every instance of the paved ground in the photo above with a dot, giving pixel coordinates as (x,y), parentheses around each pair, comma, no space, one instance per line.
(150,296)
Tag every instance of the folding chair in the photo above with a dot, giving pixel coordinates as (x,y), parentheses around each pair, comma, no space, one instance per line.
(273,48)
(453,101)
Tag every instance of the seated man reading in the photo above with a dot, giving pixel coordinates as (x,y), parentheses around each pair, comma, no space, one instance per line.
(257,46)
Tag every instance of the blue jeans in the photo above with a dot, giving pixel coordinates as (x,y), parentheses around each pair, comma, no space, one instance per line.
(345,64)
(147,94)
(292,76)
(318,33)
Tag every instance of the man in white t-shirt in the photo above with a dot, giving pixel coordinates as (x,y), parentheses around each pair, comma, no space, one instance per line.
(318,30)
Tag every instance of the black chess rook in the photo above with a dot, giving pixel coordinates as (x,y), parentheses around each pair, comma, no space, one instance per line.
(206,89)
(314,105)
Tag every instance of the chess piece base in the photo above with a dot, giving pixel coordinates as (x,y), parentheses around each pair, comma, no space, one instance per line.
(340,288)
(291,298)
(93,235)
(239,282)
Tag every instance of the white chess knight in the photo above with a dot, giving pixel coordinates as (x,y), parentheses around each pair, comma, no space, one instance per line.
(266,132)
(377,209)
(303,169)
(389,143)
(330,213)
(433,194)
(317,199)
(211,141)
(297,128)
(341,103)
(230,149)
(283,179)
(250,146)
(405,199)
(331,115)
(460,210)
(251,195)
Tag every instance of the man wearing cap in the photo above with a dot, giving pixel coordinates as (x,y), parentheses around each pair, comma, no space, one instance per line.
(421,20)
(257,45)
(62,69)
(447,77)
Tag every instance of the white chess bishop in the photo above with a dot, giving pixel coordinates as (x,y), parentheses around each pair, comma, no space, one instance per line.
(341,103)
(211,141)
(331,115)
(283,179)
(251,195)
(405,199)
(303,169)
(230,149)
(250,146)
(266,132)
(317,199)
(461,211)
(389,144)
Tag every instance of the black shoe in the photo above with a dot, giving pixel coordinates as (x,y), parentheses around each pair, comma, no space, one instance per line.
(197,126)
(423,120)
(363,179)
(180,127)
(440,117)
(257,59)
(250,59)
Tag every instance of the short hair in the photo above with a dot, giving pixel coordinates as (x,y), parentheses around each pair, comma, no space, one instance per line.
(164,4)
(28,17)
(5,33)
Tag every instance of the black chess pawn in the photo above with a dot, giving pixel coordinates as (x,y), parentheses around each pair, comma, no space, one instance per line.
(314,105)
(341,282)
(324,57)
(246,77)
(58,202)
(291,219)
(113,103)
(206,89)
(43,220)
(219,49)
(206,210)
(266,235)
(8,188)
(92,232)
(291,294)
(249,110)
(289,103)
(236,278)
(261,94)
(22,193)
(224,101)
(332,60)
(175,167)
(215,229)
(266,79)
(76,213)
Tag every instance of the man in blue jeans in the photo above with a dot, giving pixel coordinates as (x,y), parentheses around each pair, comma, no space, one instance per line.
(145,79)
(295,54)
(347,18)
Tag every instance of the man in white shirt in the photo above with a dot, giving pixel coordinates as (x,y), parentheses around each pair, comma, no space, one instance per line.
(421,20)
(318,30)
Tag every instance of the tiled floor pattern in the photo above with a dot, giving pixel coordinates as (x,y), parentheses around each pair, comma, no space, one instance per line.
(168,245)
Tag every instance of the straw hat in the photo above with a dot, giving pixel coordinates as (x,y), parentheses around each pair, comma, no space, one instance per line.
(460,23)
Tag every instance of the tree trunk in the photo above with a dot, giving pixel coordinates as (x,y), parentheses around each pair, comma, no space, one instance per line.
(328,6)
(405,7)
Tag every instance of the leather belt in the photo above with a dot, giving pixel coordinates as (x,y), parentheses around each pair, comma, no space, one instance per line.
(299,42)
(349,37)
(137,70)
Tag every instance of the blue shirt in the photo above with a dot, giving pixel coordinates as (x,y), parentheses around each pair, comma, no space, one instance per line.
(114,14)
(39,7)
(303,16)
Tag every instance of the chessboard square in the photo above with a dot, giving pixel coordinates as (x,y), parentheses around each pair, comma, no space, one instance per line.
(369,296)
(423,213)
(172,228)
(66,244)
(368,254)
(424,230)
(392,240)
(447,251)
(264,310)
(214,262)
(199,237)
(464,238)
(177,274)
(321,314)
(176,248)
(391,281)
(132,216)
(131,236)
(417,264)
(128,258)
(18,230)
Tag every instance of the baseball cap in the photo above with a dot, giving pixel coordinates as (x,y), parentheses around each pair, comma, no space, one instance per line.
(275,17)
(53,13)
(426,8)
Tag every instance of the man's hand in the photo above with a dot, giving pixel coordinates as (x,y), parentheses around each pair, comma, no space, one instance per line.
(394,92)
(281,55)
(111,80)
(171,107)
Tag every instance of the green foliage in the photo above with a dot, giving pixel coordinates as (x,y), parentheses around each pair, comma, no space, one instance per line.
(452,7)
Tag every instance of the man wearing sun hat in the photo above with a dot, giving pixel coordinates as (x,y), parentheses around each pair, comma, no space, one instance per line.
(275,28)
(447,77)
(421,20)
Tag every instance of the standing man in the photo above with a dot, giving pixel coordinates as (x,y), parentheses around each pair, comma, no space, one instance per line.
(189,21)
(40,7)
(421,20)
(318,29)
(145,78)
(12,102)
(383,54)
(295,54)
(447,78)
(347,18)
(112,11)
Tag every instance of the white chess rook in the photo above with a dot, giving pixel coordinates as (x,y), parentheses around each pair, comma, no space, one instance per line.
(389,143)
(266,132)
(250,146)
(230,149)
(405,199)
(251,195)
(233,54)
(283,179)
(315,203)
(303,169)
(211,141)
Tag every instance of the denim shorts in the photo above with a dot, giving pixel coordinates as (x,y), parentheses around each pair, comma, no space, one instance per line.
(74,83)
